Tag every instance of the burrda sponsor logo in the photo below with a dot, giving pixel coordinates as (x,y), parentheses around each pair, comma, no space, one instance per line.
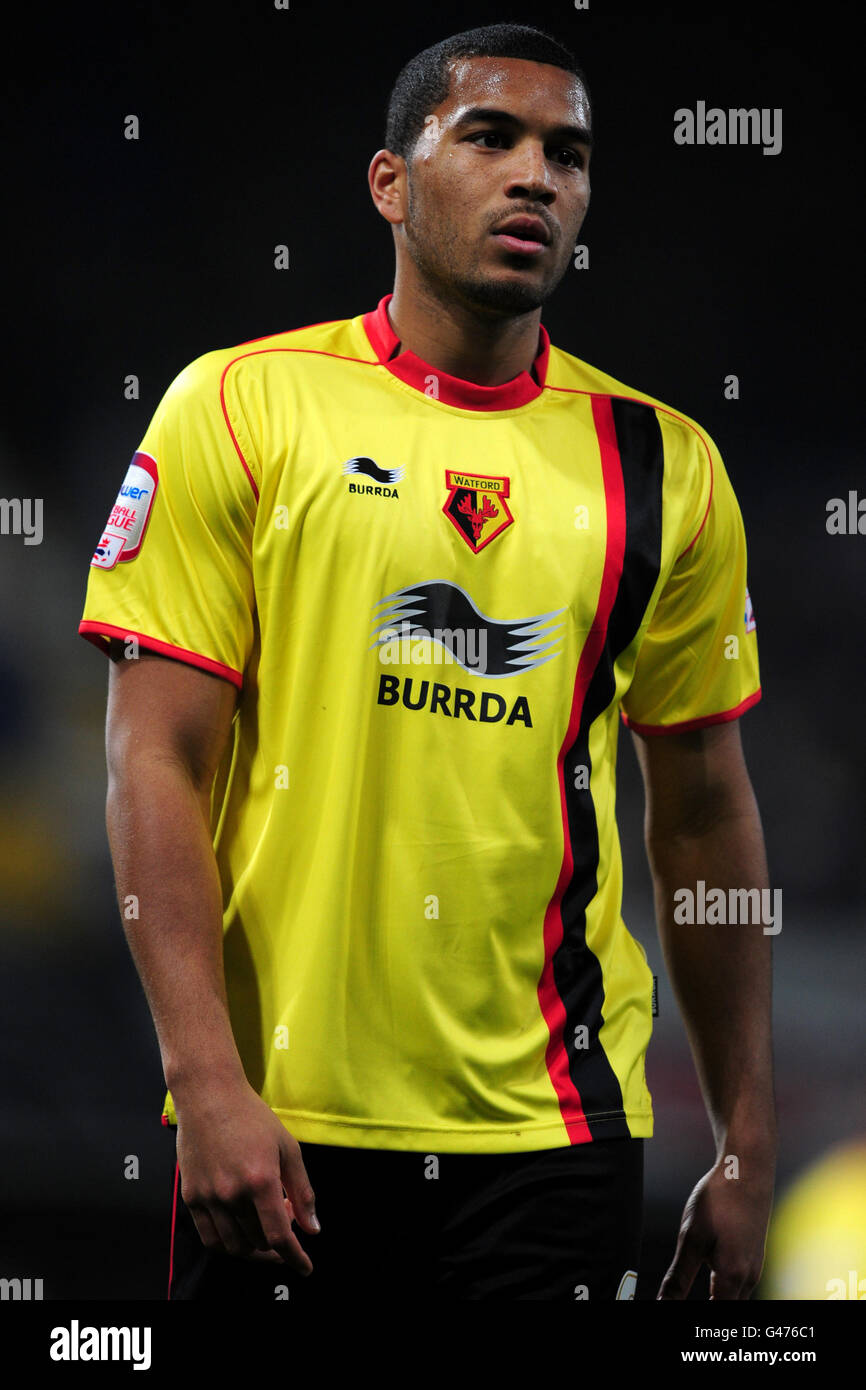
(437,622)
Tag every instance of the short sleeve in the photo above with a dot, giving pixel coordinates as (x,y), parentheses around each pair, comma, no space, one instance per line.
(698,662)
(173,567)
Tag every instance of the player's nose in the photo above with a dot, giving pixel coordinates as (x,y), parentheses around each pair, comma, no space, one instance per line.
(530,171)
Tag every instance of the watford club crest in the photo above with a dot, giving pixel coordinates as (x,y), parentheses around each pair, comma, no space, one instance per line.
(477,506)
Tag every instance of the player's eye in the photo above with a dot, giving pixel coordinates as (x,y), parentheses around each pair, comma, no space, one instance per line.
(487,135)
(572,159)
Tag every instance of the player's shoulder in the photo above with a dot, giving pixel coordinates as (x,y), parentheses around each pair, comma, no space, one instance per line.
(570,374)
(337,336)
(334,337)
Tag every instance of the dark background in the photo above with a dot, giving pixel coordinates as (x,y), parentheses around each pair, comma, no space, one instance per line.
(257,127)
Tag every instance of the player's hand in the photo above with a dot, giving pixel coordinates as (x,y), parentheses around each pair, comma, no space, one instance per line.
(235,1159)
(724,1225)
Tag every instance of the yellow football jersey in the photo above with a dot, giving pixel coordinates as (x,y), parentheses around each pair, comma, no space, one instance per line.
(435,598)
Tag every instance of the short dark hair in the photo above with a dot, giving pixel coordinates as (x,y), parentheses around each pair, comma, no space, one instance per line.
(425,80)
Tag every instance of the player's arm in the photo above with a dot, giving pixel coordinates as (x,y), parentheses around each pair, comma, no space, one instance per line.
(167,727)
(702,822)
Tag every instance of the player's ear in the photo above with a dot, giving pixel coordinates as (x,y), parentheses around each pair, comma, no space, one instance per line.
(386,177)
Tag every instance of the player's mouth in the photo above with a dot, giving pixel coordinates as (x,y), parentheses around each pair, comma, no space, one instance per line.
(528,236)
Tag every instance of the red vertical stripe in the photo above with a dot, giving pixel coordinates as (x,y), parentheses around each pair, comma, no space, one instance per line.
(552,1006)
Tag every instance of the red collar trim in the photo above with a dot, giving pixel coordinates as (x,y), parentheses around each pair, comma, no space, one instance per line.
(453,390)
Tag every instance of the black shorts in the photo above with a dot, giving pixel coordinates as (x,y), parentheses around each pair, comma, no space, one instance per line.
(560,1224)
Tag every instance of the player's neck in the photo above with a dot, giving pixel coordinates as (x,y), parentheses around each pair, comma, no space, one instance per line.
(449,336)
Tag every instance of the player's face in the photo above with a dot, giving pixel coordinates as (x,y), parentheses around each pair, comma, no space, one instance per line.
(504,145)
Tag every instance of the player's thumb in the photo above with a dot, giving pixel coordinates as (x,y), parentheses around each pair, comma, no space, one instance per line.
(295,1180)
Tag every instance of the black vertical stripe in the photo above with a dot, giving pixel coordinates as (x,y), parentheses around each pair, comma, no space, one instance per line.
(576,970)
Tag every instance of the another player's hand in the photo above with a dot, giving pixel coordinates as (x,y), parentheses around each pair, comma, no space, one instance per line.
(242,1176)
(724,1225)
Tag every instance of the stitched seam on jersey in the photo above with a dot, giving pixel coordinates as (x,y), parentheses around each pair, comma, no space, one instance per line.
(719,717)
(640,400)
(601,1117)
(366,362)
(232,435)
(413,390)
(320,352)
(94,627)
